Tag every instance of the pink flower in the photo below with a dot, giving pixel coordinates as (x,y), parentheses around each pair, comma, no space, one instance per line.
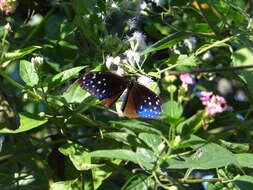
(214,103)
(186,78)
(8,6)
(205,97)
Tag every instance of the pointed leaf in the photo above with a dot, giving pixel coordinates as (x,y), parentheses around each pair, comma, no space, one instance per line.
(62,77)
(172,109)
(244,182)
(67,185)
(20,53)
(138,182)
(116,153)
(78,156)
(151,140)
(28,73)
(27,122)
(245,160)
(75,94)
(207,157)
(166,42)
(136,126)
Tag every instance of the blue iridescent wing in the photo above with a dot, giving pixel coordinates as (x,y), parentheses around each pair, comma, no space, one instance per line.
(105,86)
(142,102)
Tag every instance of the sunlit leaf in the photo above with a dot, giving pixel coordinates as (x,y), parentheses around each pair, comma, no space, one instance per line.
(78,156)
(27,122)
(244,182)
(62,77)
(166,42)
(138,182)
(29,73)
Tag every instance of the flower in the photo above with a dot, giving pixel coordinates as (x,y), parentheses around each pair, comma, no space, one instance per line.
(158,2)
(207,56)
(144,80)
(133,57)
(214,103)
(132,23)
(8,27)
(114,5)
(137,41)
(186,78)
(8,6)
(35,20)
(37,60)
(203,5)
(205,97)
(170,78)
(143,5)
(120,71)
(190,43)
(111,62)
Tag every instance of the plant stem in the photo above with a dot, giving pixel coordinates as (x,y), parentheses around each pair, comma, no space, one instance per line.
(211,70)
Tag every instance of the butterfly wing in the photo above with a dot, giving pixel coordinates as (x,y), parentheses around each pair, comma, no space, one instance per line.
(105,86)
(142,102)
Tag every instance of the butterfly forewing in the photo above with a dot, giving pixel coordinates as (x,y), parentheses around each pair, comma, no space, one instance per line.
(147,104)
(105,86)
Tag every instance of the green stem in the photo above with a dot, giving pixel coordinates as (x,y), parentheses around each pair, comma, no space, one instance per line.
(158,181)
(202,180)
(211,70)
(202,50)
(2,45)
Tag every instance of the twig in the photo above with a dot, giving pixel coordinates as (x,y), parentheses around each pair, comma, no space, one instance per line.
(211,70)
(202,180)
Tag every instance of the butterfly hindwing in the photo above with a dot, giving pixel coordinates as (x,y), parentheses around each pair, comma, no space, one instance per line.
(105,86)
(142,102)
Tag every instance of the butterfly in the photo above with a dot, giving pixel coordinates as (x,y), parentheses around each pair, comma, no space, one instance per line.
(108,87)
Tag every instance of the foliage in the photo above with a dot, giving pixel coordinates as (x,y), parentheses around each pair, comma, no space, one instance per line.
(54,135)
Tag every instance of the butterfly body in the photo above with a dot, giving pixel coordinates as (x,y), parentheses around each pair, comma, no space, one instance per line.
(108,87)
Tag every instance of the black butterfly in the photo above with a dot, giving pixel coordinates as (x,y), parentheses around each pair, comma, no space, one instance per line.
(108,87)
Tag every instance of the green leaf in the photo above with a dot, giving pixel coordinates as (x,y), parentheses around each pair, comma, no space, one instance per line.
(185,60)
(67,185)
(191,125)
(138,182)
(82,7)
(20,53)
(151,140)
(245,160)
(172,109)
(27,122)
(235,147)
(146,158)
(78,156)
(75,94)
(206,157)
(116,154)
(136,126)
(166,42)
(124,137)
(243,57)
(62,77)
(244,182)
(207,47)
(28,73)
